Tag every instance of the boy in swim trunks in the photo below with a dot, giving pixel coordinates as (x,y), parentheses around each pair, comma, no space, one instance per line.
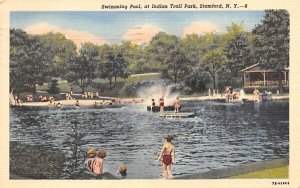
(168,154)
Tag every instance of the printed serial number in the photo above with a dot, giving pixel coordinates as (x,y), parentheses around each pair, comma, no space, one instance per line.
(280,183)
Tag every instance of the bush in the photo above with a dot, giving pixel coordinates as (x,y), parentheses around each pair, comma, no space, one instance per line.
(53,88)
(131,88)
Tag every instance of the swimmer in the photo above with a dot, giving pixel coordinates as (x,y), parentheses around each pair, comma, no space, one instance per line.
(77,104)
(59,105)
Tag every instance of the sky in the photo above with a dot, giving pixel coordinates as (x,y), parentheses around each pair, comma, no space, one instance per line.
(139,27)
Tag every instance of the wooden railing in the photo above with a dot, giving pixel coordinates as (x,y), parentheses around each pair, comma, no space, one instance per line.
(265,83)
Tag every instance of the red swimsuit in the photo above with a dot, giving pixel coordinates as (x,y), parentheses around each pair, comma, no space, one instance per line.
(167,159)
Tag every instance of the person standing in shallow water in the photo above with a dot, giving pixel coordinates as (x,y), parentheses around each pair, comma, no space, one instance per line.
(168,155)
(152,105)
(161,105)
(176,105)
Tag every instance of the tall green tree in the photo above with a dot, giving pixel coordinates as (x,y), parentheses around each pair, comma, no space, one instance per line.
(17,58)
(82,69)
(30,61)
(238,54)
(176,66)
(121,67)
(191,46)
(272,40)
(159,48)
(108,66)
(134,55)
(213,61)
(62,48)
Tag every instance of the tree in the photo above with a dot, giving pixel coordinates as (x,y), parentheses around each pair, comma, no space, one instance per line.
(271,43)
(121,67)
(191,46)
(238,54)
(176,66)
(62,48)
(159,48)
(17,58)
(197,80)
(213,61)
(133,55)
(82,69)
(108,66)
(30,61)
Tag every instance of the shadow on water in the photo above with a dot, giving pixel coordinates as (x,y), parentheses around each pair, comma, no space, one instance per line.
(221,135)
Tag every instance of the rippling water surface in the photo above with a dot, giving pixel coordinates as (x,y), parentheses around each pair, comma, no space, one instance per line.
(221,135)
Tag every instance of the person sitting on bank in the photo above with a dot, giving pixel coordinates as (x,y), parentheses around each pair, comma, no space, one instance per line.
(97,164)
(256,94)
(91,154)
(168,154)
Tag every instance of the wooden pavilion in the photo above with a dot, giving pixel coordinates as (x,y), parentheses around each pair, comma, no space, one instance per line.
(255,76)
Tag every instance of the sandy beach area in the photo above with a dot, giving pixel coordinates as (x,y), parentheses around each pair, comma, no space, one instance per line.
(91,102)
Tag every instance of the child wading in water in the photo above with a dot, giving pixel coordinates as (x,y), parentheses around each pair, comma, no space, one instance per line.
(168,154)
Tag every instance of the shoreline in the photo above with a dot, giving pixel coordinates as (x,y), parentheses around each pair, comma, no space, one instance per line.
(127,101)
(37,162)
(229,172)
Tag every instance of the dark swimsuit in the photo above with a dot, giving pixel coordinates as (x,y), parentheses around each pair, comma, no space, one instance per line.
(161,103)
(167,159)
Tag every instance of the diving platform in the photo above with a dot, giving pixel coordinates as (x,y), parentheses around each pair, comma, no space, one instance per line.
(178,115)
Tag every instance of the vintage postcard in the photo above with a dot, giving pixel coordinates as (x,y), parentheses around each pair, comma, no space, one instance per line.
(149,93)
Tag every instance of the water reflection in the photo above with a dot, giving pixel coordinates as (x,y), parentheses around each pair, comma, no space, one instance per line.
(221,135)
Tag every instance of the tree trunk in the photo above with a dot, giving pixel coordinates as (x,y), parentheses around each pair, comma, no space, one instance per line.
(82,85)
(280,82)
(214,80)
(110,81)
(34,89)
(115,80)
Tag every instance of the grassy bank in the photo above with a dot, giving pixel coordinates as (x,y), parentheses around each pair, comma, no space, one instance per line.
(102,85)
(34,162)
(280,172)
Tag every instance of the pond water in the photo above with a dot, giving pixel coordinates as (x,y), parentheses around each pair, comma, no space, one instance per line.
(221,135)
